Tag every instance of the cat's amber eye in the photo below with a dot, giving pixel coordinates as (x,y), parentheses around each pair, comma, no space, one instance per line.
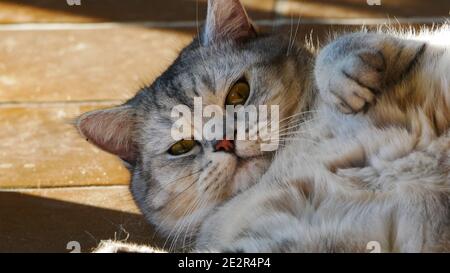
(182,147)
(238,94)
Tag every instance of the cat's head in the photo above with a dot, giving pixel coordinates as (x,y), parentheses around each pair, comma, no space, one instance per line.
(177,183)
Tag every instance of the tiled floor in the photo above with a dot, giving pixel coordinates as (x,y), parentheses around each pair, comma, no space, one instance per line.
(54,187)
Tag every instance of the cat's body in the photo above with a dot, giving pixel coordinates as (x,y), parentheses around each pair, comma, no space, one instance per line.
(344,181)
(364,153)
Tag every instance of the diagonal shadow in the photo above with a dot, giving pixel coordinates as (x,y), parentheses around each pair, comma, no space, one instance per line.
(131,10)
(34,224)
(162,12)
(390,8)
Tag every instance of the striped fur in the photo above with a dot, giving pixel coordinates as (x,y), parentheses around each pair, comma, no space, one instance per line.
(365,152)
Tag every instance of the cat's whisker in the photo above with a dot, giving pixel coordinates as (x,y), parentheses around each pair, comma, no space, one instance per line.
(163,222)
(299,114)
(294,127)
(187,176)
(199,205)
(295,133)
(299,135)
(283,127)
(291,45)
(169,214)
(287,123)
(180,193)
(290,34)
(288,140)
(188,228)
(177,206)
(304,139)
(181,226)
(215,199)
(288,129)
(304,132)
(292,120)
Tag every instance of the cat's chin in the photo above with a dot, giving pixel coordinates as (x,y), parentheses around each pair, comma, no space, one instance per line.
(248,149)
(248,172)
(250,166)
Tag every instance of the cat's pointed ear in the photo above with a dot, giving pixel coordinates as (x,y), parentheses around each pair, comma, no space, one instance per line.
(111,130)
(226,20)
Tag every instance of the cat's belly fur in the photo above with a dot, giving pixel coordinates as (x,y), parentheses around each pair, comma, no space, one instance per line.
(339,197)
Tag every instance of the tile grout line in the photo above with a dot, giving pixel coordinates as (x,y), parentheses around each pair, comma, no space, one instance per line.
(193,24)
(8,104)
(30,189)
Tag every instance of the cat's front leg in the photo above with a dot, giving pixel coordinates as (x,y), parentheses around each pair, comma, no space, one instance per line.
(354,70)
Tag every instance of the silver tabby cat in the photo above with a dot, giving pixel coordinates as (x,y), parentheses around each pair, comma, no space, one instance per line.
(364,150)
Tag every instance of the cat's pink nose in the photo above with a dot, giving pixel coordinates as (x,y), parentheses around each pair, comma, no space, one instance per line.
(224,146)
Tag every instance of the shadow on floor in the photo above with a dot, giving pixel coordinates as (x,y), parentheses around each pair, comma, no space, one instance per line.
(387,8)
(33,224)
(190,10)
(131,10)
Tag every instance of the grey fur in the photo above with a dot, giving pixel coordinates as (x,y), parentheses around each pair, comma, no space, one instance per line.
(338,181)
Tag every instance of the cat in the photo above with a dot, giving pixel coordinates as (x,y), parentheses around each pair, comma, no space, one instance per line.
(364,142)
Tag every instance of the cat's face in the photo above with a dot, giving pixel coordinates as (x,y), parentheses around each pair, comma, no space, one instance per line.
(177,183)
(177,186)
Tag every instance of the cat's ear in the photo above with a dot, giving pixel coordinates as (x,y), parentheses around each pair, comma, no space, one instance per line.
(226,20)
(111,130)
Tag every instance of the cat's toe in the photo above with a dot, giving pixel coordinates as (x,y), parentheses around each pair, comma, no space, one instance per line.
(367,68)
(349,96)
(357,83)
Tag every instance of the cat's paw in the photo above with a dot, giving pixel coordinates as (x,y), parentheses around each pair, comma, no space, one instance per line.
(356,81)
(119,247)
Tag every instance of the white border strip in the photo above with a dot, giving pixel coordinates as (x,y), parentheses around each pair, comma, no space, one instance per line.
(193,24)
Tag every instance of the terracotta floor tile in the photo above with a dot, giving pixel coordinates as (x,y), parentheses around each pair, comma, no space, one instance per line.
(25,11)
(78,65)
(40,148)
(47,220)
(360,8)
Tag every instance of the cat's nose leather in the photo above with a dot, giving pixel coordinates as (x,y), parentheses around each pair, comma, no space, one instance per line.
(224,146)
